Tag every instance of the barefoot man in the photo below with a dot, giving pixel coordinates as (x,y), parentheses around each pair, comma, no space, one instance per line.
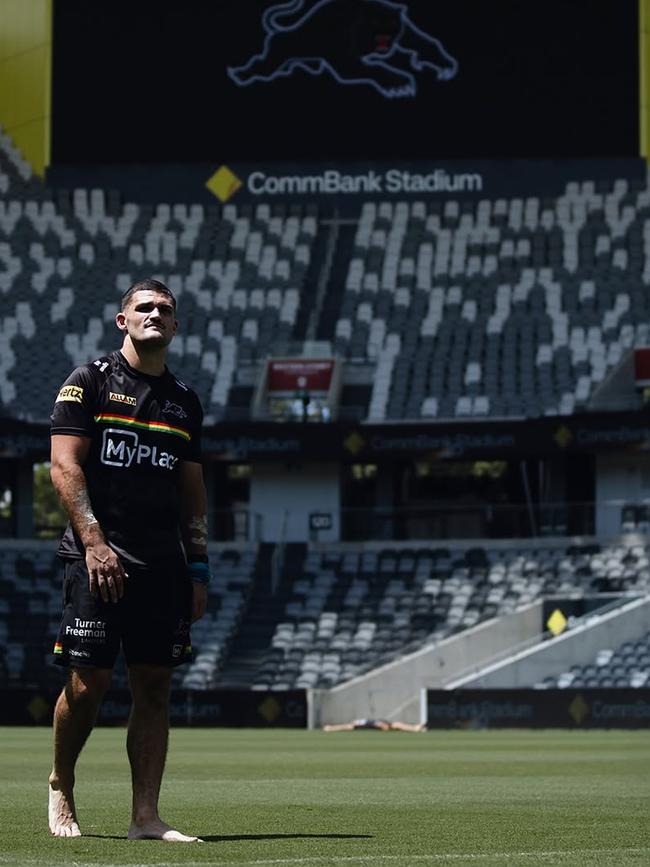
(126,463)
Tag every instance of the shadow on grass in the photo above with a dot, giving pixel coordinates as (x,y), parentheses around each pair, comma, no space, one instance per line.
(229,838)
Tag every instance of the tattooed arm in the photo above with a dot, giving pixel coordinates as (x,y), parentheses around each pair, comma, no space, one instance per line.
(194,526)
(105,572)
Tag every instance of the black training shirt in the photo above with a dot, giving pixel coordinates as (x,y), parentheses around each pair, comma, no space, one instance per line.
(141,428)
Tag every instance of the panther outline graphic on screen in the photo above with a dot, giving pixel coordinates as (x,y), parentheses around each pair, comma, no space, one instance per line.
(298,43)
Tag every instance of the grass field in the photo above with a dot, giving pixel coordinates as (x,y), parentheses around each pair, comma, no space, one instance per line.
(366,798)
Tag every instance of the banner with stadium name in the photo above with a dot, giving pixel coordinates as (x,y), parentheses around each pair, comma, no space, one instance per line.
(341,185)
(538,708)
(218,707)
(503,439)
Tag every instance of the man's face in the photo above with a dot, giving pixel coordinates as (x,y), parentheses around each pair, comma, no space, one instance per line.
(148,318)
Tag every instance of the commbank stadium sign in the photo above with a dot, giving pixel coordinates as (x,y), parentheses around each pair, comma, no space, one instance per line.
(226,182)
(350,183)
(335,182)
(345,185)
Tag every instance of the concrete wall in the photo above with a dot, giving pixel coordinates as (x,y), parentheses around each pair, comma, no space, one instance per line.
(285,494)
(393,691)
(579,646)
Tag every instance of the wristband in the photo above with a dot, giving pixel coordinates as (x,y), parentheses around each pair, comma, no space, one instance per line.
(199,571)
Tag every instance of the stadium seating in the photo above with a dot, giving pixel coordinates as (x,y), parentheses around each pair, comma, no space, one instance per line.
(65,260)
(354,608)
(504,307)
(500,307)
(496,308)
(349,609)
(628,665)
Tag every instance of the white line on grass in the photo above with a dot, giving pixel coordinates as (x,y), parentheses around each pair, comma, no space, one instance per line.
(432,858)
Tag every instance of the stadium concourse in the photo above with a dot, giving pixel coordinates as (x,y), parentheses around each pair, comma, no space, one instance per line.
(463,310)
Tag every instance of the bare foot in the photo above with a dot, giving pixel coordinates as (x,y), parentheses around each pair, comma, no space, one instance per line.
(159,830)
(61,813)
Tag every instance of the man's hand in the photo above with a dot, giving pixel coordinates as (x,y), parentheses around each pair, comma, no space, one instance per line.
(106,574)
(199,600)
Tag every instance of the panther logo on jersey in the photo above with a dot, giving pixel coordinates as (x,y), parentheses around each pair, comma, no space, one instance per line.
(174,409)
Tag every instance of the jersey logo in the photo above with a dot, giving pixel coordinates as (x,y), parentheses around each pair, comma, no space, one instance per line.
(72,393)
(122,448)
(174,409)
(122,398)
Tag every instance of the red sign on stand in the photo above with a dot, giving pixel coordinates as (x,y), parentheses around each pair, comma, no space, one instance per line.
(300,374)
(642,367)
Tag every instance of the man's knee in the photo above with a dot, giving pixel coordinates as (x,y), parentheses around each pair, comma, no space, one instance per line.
(150,686)
(87,685)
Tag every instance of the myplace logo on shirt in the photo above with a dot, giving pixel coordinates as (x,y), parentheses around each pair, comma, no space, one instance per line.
(122,448)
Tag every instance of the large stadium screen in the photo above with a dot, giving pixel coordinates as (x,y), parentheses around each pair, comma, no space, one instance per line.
(173,81)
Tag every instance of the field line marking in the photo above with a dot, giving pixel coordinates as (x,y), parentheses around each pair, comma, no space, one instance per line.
(432,858)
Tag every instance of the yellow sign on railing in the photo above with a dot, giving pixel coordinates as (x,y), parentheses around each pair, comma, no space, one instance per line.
(557,622)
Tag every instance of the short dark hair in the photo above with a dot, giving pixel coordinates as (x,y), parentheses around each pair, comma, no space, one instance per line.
(148,285)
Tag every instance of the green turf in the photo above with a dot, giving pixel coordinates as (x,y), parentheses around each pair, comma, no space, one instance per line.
(310,798)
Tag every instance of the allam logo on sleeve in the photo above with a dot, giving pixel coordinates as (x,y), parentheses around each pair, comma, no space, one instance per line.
(380,46)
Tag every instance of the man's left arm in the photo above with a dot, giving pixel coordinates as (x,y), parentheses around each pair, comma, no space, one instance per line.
(194,532)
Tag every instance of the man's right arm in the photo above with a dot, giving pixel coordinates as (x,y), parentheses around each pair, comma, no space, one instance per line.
(105,572)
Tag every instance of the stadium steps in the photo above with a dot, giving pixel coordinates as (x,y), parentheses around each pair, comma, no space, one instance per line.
(354,402)
(336,282)
(265,609)
(309,306)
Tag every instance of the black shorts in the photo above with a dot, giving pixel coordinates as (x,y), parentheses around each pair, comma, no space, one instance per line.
(151,621)
(372,724)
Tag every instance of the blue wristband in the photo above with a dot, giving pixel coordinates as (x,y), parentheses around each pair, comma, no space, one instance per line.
(199,572)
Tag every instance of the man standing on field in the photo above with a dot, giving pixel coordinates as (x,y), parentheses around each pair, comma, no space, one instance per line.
(126,463)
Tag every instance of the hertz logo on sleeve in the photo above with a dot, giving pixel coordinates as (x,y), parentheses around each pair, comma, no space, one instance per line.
(122,398)
(73,393)
(223,184)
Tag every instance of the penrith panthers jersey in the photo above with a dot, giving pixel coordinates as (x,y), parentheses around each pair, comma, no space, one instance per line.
(141,428)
